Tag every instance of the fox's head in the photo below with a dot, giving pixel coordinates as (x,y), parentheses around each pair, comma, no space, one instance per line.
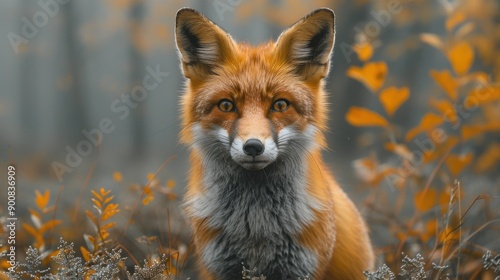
(254,105)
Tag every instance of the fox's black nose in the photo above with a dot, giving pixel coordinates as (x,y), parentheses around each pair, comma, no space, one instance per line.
(253,147)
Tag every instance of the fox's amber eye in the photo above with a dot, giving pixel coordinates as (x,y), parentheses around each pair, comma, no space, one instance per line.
(226,105)
(280,105)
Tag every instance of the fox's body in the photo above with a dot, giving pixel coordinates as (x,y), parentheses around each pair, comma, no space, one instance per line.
(259,194)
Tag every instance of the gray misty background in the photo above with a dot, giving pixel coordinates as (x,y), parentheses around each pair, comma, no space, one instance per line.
(62,70)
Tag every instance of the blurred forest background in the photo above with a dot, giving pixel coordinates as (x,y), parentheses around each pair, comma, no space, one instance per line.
(401,69)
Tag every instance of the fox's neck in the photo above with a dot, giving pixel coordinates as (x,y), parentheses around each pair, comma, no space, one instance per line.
(232,193)
(259,215)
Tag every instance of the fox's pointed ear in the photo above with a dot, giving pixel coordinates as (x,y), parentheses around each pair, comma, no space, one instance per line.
(307,45)
(202,44)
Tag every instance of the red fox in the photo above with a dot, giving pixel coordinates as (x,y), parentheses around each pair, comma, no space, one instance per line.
(259,194)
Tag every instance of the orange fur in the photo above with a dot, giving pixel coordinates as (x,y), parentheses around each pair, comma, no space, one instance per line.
(252,77)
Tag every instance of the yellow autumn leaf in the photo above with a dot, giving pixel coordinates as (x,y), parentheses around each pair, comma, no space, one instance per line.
(108,226)
(104,234)
(96,202)
(150,176)
(109,213)
(489,159)
(446,81)
(4,265)
(92,217)
(428,122)
(42,200)
(372,74)
(39,241)
(364,51)
(491,113)
(146,200)
(148,194)
(147,190)
(112,207)
(481,96)
(393,97)
(454,20)
(461,57)
(170,184)
(456,163)
(493,126)
(108,199)
(445,108)
(441,148)
(117,176)
(85,253)
(96,195)
(104,192)
(359,116)
(431,228)
(425,199)
(470,131)
(49,225)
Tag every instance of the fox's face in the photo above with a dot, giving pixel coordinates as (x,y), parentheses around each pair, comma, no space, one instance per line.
(254,105)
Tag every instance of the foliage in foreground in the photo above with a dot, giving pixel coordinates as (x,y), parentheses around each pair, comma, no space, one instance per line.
(107,265)
(423,166)
(415,269)
(110,265)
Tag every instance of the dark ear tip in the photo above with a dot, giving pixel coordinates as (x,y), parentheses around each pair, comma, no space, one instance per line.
(327,12)
(186,11)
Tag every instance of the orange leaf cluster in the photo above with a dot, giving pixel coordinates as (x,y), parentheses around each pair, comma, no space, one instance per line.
(392,98)
(461,56)
(487,161)
(446,108)
(117,176)
(457,163)
(425,199)
(465,119)
(428,122)
(364,51)
(39,229)
(359,116)
(447,82)
(105,210)
(372,74)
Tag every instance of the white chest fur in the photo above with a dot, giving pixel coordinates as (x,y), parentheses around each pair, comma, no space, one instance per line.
(260,215)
